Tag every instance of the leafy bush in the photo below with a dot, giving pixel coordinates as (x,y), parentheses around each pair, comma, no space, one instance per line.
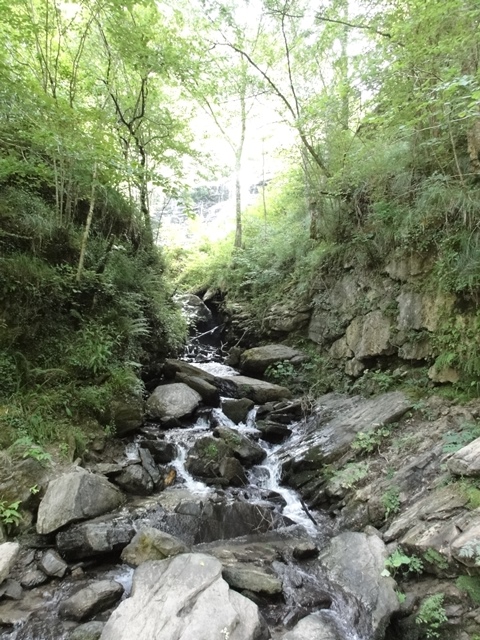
(431,615)
(399,561)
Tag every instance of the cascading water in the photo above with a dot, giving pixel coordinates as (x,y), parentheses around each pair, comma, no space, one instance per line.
(264,487)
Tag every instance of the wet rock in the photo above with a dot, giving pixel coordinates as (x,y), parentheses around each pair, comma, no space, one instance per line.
(33,578)
(273,431)
(152,544)
(162,452)
(255,579)
(316,626)
(91,600)
(74,496)
(52,564)
(237,410)
(149,465)
(88,631)
(466,461)
(205,457)
(332,428)
(355,562)
(8,554)
(176,400)
(172,367)
(248,452)
(257,390)
(11,590)
(195,310)
(210,394)
(209,521)
(284,412)
(255,361)
(232,472)
(94,538)
(109,469)
(196,603)
(135,480)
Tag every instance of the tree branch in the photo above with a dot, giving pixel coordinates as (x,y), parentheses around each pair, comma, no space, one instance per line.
(352,25)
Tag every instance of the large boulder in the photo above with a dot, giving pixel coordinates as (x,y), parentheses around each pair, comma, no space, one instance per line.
(330,431)
(152,544)
(244,575)
(237,410)
(197,604)
(126,414)
(75,496)
(175,400)
(248,452)
(91,600)
(255,361)
(200,522)
(195,310)
(8,554)
(466,461)
(316,626)
(356,562)
(257,390)
(210,394)
(95,538)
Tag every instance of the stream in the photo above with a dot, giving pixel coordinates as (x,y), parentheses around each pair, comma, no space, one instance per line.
(306,586)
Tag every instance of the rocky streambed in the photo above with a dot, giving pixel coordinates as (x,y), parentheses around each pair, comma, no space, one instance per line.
(233,512)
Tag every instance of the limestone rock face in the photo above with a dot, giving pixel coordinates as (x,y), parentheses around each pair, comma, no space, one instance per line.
(152,544)
(422,311)
(369,335)
(197,604)
(255,361)
(447,374)
(355,562)
(75,496)
(283,318)
(174,400)
(8,554)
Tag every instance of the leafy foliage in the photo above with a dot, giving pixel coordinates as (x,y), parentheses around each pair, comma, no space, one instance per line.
(399,561)
(431,615)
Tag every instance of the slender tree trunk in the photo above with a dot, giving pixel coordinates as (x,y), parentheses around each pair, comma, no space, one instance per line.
(238,207)
(88,224)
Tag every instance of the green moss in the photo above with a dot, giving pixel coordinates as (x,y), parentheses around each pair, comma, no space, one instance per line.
(471,586)
(432,556)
